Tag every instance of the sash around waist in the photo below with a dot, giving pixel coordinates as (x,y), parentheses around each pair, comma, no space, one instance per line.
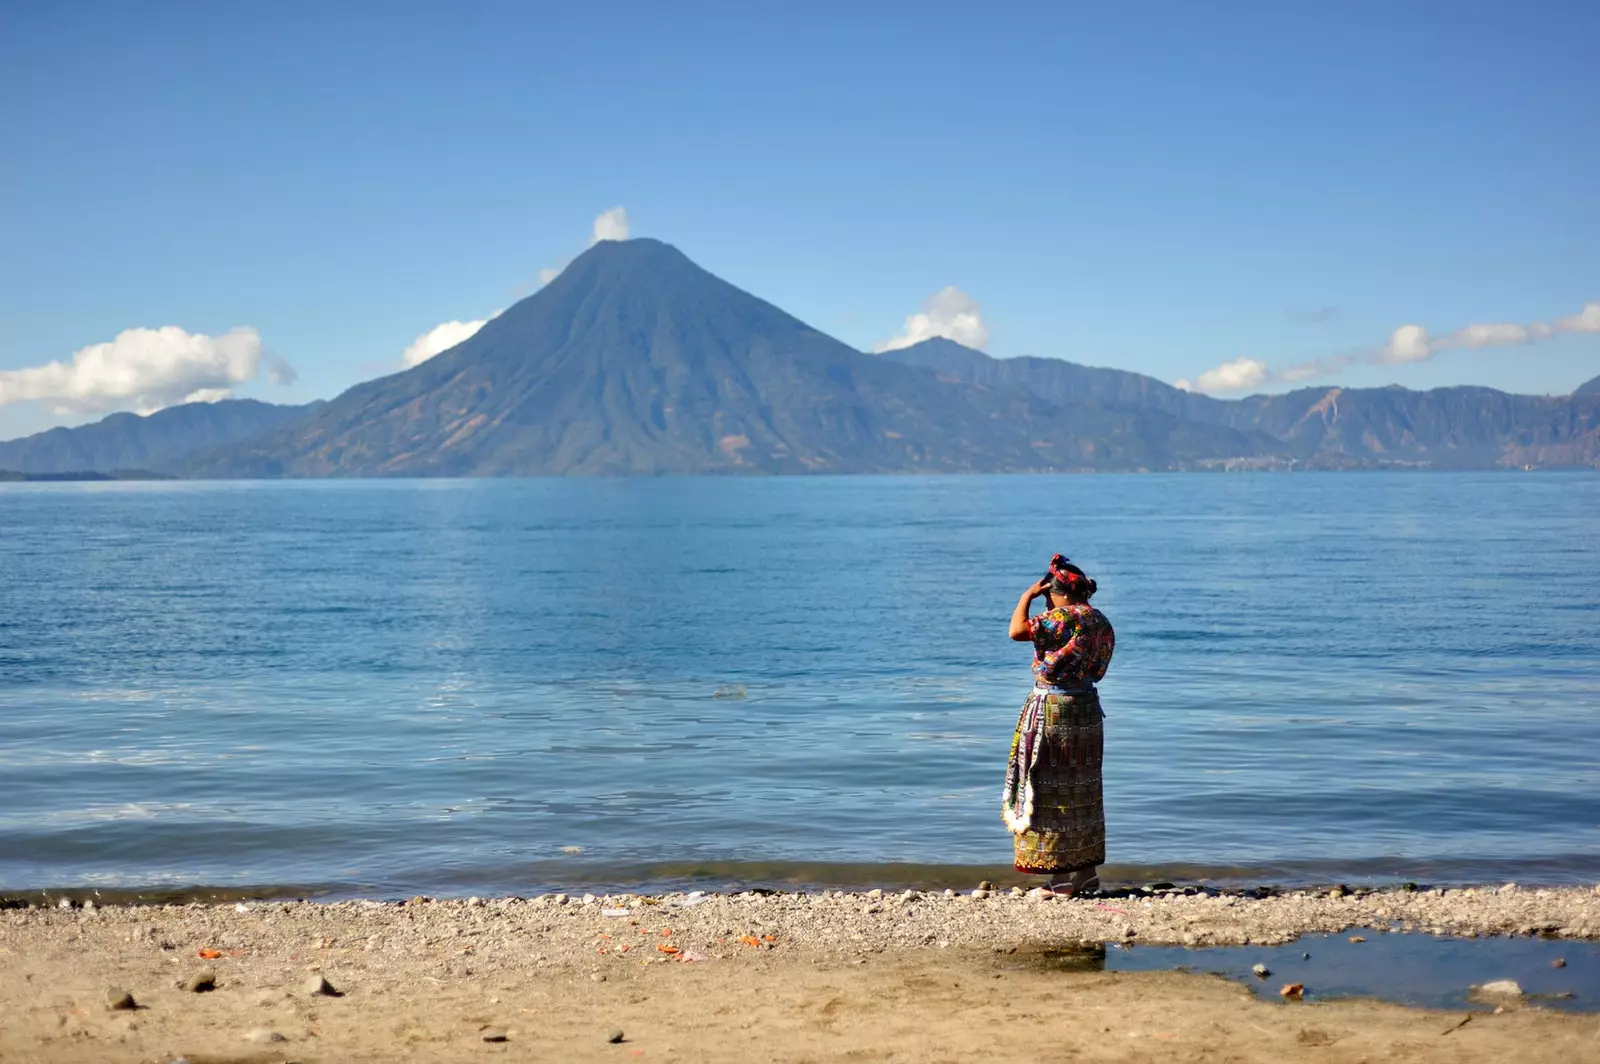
(1084,688)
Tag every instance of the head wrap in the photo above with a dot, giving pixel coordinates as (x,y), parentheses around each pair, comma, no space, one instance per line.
(1069,580)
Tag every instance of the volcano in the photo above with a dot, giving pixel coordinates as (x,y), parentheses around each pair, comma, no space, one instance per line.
(635,361)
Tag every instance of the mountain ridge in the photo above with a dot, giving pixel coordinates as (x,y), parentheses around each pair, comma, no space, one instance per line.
(156,442)
(1455,427)
(634,360)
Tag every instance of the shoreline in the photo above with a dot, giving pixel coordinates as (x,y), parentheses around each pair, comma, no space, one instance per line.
(813,877)
(1179,916)
(782,976)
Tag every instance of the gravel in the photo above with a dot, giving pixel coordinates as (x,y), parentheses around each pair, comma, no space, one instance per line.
(553,932)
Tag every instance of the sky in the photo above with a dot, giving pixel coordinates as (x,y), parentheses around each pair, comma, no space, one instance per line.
(280,201)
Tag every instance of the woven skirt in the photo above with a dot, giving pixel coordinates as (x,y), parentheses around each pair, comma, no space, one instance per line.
(1052,801)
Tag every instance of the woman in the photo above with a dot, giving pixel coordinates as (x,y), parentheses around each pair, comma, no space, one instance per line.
(1052,798)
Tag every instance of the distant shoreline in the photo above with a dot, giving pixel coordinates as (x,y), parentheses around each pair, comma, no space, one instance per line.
(91,476)
(11,476)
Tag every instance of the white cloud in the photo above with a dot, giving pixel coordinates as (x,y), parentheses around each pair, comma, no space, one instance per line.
(949,313)
(610,224)
(1233,376)
(1408,343)
(143,369)
(209,395)
(1411,343)
(1586,320)
(441,337)
(550,273)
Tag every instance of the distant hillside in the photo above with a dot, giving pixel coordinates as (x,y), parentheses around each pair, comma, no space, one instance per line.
(637,361)
(1056,379)
(1445,428)
(12,476)
(1588,388)
(156,442)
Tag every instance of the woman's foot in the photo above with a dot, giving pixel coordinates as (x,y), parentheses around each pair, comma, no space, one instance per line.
(1074,884)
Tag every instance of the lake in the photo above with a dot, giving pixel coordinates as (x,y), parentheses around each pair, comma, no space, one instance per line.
(508,686)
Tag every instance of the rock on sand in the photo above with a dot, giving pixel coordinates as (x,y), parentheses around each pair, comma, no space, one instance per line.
(264,1036)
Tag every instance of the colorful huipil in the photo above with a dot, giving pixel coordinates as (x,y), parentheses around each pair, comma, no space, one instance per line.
(1052,798)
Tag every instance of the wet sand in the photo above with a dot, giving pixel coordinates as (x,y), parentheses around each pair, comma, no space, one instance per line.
(891,977)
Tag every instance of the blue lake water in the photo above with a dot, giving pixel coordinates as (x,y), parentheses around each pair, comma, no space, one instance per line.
(478,686)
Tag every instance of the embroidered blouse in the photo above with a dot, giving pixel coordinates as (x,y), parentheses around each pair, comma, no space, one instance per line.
(1072,644)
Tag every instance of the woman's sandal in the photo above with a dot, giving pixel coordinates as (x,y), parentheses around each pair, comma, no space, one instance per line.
(1075,890)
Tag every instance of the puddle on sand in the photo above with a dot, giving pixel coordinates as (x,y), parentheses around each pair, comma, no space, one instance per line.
(1426,971)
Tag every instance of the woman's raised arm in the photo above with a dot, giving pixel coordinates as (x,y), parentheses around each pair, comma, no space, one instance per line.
(1019,616)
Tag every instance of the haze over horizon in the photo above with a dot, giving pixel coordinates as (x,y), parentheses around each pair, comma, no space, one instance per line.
(1246,199)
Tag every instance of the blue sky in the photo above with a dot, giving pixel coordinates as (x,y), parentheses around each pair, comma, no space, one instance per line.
(1165,188)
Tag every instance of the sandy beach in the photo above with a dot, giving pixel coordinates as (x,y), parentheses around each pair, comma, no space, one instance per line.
(782,977)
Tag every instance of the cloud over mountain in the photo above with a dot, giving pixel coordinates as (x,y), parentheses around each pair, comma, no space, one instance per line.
(441,337)
(145,370)
(949,313)
(610,224)
(1407,343)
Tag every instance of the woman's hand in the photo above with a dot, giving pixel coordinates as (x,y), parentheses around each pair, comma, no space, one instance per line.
(1036,590)
(1019,617)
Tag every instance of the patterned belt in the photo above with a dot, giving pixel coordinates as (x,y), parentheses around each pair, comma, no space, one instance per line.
(1052,689)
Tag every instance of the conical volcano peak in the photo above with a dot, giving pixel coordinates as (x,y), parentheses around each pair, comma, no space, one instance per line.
(640,252)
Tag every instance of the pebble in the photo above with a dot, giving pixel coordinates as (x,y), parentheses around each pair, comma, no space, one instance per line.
(985,885)
(1500,988)
(200,982)
(874,893)
(1559,962)
(1261,970)
(597,977)
(264,1036)
(119,1000)
(66,903)
(614,1037)
(493,1034)
(318,985)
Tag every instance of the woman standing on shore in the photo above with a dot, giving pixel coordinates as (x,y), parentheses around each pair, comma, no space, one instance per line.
(1052,803)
